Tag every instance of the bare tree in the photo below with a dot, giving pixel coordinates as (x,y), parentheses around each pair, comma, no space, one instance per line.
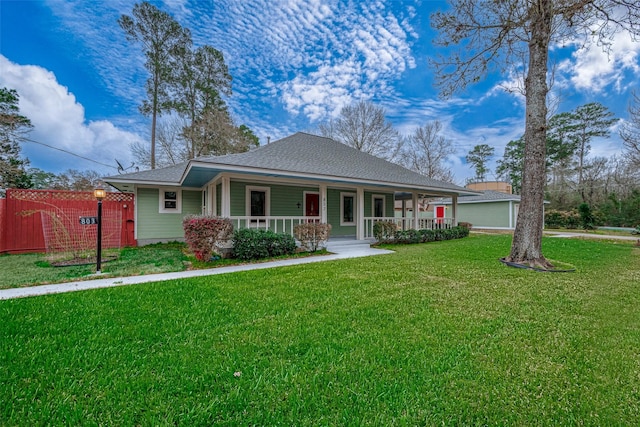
(630,131)
(364,127)
(162,39)
(490,35)
(213,134)
(426,150)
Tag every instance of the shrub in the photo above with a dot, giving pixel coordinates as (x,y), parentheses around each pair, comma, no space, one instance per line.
(384,231)
(587,219)
(407,236)
(251,243)
(427,235)
(311,235)
(203,233)
(562,219)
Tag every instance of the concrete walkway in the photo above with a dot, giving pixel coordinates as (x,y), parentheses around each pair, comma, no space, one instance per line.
(340,249)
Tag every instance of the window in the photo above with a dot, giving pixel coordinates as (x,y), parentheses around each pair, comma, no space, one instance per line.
(347,208)
(378,206)
(170,201)
(257,201)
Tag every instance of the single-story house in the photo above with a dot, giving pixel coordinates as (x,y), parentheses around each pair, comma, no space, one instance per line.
(491,209)
(297,179)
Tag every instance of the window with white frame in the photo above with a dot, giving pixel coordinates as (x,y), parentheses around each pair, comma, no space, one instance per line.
(170,200)
(377,206)
(347,209)
(258,201)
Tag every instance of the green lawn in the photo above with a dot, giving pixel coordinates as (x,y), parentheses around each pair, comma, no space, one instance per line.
(34,269)
(439,333)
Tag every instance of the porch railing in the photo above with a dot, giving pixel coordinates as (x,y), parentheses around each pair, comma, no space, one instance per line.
(407,224)
(277,224)
(285,224)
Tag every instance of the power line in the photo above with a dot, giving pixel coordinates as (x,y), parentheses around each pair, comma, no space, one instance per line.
(68,152)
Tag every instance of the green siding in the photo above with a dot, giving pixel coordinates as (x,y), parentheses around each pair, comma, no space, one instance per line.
(283,201)
(165,226)
(490,214)
(333,213)
(368,203)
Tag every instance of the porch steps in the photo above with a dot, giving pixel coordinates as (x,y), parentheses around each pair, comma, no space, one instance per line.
(341,245)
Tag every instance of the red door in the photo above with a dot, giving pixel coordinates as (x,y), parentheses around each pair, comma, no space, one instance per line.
(440,213)
(312,204)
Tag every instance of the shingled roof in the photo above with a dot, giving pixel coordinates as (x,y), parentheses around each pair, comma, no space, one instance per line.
(300,155)
(486,197)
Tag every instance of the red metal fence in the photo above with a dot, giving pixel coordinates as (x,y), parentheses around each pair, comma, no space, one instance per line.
(26,214)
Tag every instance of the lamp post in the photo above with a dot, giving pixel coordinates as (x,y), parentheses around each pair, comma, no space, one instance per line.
(99,194)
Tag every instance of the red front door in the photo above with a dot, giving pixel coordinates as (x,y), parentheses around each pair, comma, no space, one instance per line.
(440,212)
(312,204)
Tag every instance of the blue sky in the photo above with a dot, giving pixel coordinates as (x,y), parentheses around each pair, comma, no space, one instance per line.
(293,63)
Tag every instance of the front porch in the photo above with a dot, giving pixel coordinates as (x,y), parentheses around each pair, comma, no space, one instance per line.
(351,210)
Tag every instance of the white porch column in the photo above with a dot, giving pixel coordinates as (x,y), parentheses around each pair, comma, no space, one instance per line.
(454,209)
(225,207)
(323,203)
(360,215)
(416,210)
(404,213)
(213,191)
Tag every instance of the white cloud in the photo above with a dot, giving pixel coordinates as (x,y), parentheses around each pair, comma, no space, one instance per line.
(593,69)
(59,121)
(316,56)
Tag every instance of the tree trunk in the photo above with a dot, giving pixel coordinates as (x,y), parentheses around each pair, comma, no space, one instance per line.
(527,239)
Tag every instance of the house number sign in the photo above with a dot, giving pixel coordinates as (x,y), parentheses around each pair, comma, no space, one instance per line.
(88,220)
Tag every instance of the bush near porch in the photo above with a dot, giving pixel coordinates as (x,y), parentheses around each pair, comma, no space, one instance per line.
(205,234)
(251,243)
(386,232)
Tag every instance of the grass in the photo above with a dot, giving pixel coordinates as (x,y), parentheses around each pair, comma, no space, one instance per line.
(440,333)
(34,269)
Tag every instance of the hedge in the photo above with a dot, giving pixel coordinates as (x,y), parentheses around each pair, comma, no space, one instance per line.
(425,235)
(251,243)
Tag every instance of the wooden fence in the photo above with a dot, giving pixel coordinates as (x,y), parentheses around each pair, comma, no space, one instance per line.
(26,217)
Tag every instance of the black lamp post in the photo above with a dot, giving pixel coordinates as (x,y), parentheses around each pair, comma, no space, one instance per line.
(99,194)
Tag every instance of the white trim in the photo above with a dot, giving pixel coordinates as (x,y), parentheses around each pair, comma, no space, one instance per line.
(213,199)
(225,203)
(454,210)
(342,196)
(416,211)
(267,199)
(323,203)
(510,213)
(304,202)
(135,212)
(373,205)
(360,214)
(169,186)
(162,199)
